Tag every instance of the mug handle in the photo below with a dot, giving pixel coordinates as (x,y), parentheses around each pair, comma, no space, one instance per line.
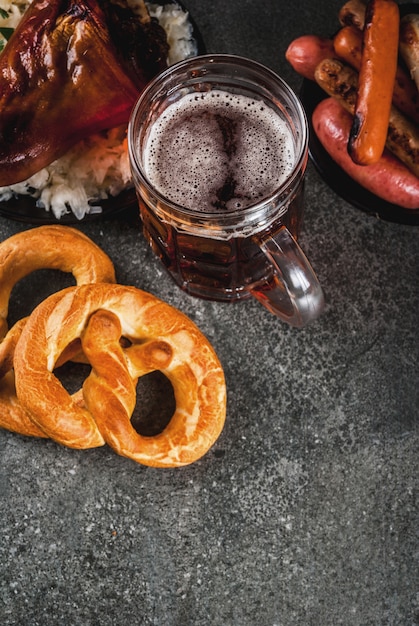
(293,293)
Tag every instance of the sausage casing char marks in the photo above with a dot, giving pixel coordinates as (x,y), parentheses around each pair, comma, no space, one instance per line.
(353,14)
(347,45)
(409,44)
(340,81)
(376,79)
(387,179)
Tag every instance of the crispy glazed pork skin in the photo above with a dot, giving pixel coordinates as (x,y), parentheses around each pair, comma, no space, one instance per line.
(62,79)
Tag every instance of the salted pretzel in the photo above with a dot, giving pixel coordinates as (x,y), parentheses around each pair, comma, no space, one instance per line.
(125,333)
(45,247)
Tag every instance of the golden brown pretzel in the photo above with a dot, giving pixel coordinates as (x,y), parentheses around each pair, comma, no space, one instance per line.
(46,247)
(50,247)
(159,338)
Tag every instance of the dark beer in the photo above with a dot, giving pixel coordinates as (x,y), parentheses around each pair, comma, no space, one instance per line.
(218,154)
(216,269)
(218,148)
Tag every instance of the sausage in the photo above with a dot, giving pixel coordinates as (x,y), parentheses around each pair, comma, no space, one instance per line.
(376,79)
(403,140)
(348,47)
(340,81)
(353,14)
(388,179)
(306,52)
(409,44)
(347,44)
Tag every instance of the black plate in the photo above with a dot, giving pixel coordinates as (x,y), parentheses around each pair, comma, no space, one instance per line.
(22,208)
(311,94)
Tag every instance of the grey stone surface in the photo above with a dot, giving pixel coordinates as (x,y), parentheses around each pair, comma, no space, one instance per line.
(305,511)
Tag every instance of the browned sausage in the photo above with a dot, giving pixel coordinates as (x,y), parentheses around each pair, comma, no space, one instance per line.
(340,81)
(348,47)
(353,14)
(388,178)
(376,80)
(409,44)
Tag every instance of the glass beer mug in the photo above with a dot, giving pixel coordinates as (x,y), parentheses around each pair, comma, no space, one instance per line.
(218,148)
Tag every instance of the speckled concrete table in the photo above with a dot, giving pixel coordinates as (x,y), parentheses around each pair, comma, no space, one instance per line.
(304,512)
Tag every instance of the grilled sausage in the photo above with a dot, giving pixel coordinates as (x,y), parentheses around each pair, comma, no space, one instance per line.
(348,47)
(347,44)
(353,14)
(376,79)
(340,81)
(388,179)
(409,44)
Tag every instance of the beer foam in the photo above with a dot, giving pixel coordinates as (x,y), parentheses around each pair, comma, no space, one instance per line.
(217,151)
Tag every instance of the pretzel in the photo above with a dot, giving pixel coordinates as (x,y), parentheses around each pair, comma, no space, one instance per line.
(125,333)
(50,247)
(46,247)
